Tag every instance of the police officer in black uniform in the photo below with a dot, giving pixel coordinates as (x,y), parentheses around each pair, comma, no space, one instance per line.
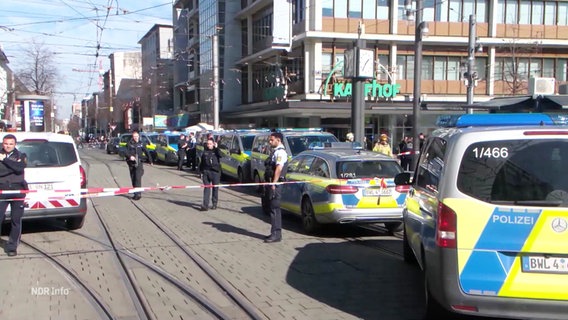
(182,150)
(135,151)
(210,169)
(275,171)
(12,165)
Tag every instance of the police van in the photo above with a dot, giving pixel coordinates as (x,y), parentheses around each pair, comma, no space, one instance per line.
(486,216)
(235,148)
(295,141)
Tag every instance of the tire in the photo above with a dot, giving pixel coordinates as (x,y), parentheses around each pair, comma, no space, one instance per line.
(394,227)
(309,222)
(257,180)
(240,176)
(74,223)
(407,252)
(434,310)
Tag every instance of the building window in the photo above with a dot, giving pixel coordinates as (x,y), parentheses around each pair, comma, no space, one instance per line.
(298,11)
(354,8)
(405,67)
(369,9)
(383,8)
(455,10)
(340,9)
(327,8)
(507,68)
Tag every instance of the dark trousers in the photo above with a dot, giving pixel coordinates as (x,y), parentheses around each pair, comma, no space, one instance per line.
(16,213)
(136,174)
(271,204)
(181,155)
(210,177)
(192,158)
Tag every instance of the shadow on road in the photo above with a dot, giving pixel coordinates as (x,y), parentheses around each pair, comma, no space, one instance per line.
(223,227)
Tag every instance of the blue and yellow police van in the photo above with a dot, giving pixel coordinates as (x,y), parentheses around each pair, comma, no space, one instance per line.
(167,147)
(339,184)
(235,147)
(486,216)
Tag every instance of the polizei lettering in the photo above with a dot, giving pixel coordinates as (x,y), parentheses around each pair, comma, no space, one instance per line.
(513,219)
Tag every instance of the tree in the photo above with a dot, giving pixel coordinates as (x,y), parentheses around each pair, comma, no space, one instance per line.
(39,72)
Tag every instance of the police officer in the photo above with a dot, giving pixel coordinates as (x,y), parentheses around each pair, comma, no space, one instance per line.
(210,168)
(135,150)
(182,149)
(274,172)
(12,165)
(192,152)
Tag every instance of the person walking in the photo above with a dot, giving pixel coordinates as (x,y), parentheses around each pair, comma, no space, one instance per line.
(192,152)
(210,169)
(274,172)
(12,165)
(181,151)
(382,146)
(135,150)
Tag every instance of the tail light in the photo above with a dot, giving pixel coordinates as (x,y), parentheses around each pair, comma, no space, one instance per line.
(447,227)
(402,188)
(83,177)
(341,189)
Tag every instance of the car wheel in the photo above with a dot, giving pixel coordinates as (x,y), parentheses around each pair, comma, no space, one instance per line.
(407,252)
(74,223)
(309,222)
(434,310)
(394,227)
(241,176)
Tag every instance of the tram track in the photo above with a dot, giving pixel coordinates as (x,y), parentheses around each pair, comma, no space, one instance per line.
(224,286)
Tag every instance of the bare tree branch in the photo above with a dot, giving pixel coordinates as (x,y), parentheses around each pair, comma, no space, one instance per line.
(40,73)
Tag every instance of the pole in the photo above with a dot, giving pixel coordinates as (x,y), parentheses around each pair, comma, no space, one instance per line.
(215,53)
(471,62)
(417,79)
(358,95)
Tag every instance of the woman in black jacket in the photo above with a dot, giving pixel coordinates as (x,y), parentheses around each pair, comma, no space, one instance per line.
(210,168)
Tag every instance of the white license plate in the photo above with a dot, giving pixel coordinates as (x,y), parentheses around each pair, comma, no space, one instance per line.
(40,186)
(544,264)
(375,192)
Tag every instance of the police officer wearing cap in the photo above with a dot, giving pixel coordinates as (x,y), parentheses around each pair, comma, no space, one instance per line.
(12,165)
(275,170)
(135,150)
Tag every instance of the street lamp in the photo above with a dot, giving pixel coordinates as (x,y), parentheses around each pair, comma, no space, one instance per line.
(421,29)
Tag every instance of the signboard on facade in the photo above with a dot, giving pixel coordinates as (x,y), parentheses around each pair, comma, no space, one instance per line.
(160,121)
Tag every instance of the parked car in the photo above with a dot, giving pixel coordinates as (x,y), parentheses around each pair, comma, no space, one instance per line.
(112,145)
(149,138)
(53,164)
(235,147)
(486,217)
(338,184)
(167,147)
(295,141)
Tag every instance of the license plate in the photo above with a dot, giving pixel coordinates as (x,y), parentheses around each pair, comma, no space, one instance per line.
(544,264)
(376,192)
(40,186)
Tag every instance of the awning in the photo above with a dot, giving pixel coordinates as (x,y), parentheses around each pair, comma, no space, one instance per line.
(202,126)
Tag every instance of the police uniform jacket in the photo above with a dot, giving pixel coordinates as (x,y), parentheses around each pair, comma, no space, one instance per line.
(210,160)
(277,157)
(12,170)
(138,150)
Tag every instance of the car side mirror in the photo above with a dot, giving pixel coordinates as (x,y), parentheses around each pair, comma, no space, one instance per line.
(402,179)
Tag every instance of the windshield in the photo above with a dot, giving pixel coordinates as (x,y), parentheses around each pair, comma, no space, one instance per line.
(153,138)
(300,143)
(523,172)
(247,142)
(48,154)
(173,140)
(367,169)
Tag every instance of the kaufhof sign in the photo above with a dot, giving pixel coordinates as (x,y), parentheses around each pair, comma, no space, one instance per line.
(373,89)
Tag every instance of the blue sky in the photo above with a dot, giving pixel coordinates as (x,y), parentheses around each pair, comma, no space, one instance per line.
(73,29)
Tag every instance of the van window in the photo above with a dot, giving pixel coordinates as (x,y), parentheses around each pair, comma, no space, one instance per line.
(48,154)
(523,172)
(300,143)
(430,165)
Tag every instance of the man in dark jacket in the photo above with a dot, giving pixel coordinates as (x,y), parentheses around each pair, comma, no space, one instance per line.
(210,168)
(135,151)
(182,150)
(12,165)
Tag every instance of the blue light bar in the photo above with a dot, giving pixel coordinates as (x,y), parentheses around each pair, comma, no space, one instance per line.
(299,129)
(318,145)
(500,119)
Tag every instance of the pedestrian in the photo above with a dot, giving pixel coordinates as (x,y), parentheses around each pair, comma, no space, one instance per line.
(382,145)
(192,152)
(349,137)
(421,138)
(275,171)
(210,169)
(404,147)
(181,151)
(135,151)
(12,165)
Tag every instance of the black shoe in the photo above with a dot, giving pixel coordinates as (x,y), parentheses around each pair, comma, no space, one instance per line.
(214,207)
(203,209)
(137,197)
(271,240)
(12,253)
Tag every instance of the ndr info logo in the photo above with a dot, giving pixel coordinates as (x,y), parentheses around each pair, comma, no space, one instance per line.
(50,291)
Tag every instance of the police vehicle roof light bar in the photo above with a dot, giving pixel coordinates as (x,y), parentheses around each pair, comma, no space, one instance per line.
(500,119)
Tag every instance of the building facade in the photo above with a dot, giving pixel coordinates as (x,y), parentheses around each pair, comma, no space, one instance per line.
(157,72)
(123,87)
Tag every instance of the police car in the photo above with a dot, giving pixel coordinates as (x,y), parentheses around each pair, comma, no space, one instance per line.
(486,217)
(339,184)
(295,141)
(235,148)
(167,147)
(148,138)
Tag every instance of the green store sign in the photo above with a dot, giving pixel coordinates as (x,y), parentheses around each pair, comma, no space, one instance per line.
(373,89)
